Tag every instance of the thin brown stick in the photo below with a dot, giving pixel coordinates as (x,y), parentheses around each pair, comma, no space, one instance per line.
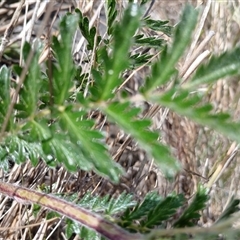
(70,210)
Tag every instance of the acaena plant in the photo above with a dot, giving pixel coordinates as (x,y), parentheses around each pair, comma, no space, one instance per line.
(48,120)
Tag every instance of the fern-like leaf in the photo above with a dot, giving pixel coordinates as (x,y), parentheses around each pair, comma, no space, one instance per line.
(192,212)
(106,205)
(88,32)
(158,25)
(4,93)
(83,232)
(139,59)
(151,212)
(188,105)
(126,117)
(218,67)
(115,64)
(232,208)
(163,211)
(111,16)
(163,70)
(66,152)
(89,141)
(29,93)
(149,41)
(141,209)
(18,150)
(64,70)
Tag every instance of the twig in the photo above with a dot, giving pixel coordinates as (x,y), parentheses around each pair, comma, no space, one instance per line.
(70,210)
(149,8)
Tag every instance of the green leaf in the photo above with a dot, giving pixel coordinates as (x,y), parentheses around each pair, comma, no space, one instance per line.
(3,159)
(139,59)
(106,205)
(20,150)
(163,70)
(120,204)
(144,2)
(163,210)
(66,152)
(89,234)
(232,208)
(29,94)
(115,64)
(38,130)
(187,107)
(141,209)
(126,117)
(73,228)
(149,41)
(192,212)
(4,92)
(88,32)
(111,16)
(90,143)
(227,64)
(96,203)
(151,212)
(158,25)
(64,70)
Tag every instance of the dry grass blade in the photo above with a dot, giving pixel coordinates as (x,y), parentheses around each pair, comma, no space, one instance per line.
(219,168)
(196,53)
(199,28)
(197,148)
(10,28)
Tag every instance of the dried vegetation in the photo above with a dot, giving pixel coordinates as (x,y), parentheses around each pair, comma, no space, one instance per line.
(197,147)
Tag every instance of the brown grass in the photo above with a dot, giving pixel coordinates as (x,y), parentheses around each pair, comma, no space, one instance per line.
(198,148)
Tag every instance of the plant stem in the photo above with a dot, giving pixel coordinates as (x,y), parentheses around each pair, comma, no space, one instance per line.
(81,215)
